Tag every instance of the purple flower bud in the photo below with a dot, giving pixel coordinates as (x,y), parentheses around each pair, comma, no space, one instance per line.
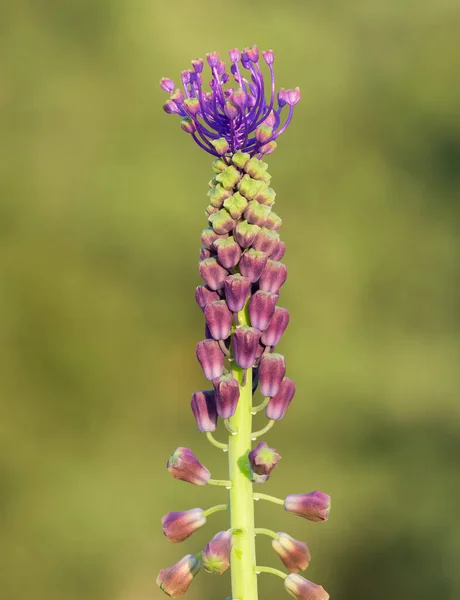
(263,459)
(209,236)
(204,295)
(314,506)
(205,253)
(235,55)
(239,98)
(227,395)
(261,310)
(271,119)
(279,252)
(212,273)
(213,59)
(175,580)
(245,344)
(237,290)
(272,369)
(192,105)
(167,85)
(273,276)
(170,107)
(302,589)
(252,264)
(228,252)
(221,146)
(277,326)
(222,221)
(294,554)
(278,404)
(197,65)
(252,53)
(274,222)
(263,133)
(216,555)
(184,465)
(266,241)
(211,358)
(269,56)
(281,97)
(231,110)
(218,319)
(245,234)
(268,148)
(291,97)
(178,526)
(257,214)
(204,410)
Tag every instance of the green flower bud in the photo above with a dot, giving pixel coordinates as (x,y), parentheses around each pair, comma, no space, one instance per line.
(240,159)
(256,214)
(221,146)
(266,195)
(217,195)
(249,187)
(236,205)
(255,168)
(229,177)
(219,165)
(221,221)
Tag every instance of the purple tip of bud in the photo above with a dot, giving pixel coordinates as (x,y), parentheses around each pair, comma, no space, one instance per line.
(192,105)
(235,55)
(263,459)
(221,67)
(261,310)
(252,264)
(245,345)
(197,65)
(245,234)
(184,465)
(227,395)
(239,98)
(272,369)
(292,97)
(213,59)
(252,53)
(273,276)
(216,555)
(278,404)
(167,85)
(269,56)
(178,526)
(218,319)
(170,107)
(175,580)
(203,405)
(204,295)
(266,241)
(211,358)
(237,289)
(294,554)
(212,273)
(228,252)
(314,506)
(280,320)
(279,251)
(302,589)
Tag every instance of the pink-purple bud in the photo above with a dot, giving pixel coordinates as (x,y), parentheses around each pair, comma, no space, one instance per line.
(314,506)
(184,465)
(218,319)
(227,395)
(292,97)
(271,119)
(252,53)
(252,264)
(266,241)
(192,105)
(178,526)
(280,320)
(209,236)
(302,589)
(261,310)
(245,345)
(216,555)
(278,404)
(273,276)
(263,459)
(213,59)
(263,133)
(205,253)
(272,369)
(228,252)
(203,405)
(204,295)
(231,110)
(239,98)
(257,214)
(197,64)
(274,222)
(237,289)
(245,234)
(167,85)
(268,148)
(211,358)
(278,253)
(235,55)
(222,221)
(170,107)
(294,554)
(175,580)
(269,56)
(212,273)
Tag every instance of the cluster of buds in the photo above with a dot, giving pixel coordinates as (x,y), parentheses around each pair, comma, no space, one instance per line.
(242,271)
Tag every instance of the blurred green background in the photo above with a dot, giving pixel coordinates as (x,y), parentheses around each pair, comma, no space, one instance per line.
(102,200)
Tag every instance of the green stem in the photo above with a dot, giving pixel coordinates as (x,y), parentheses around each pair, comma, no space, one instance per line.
(220,482)
(243,555)
(215,443)
(271,570)
(267,427)
(214,509)
(269,498)
(263,531)
(259,407)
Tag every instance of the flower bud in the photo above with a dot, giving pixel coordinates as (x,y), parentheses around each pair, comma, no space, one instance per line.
(302,589)
(217,195)
(210,210)
(203,405)
(274,222)
(219,165)
(188,125)
(266,195)
(269,56)
(227,395)
(184,465)
(167,85)
(257,214)
(175,580)
(218,319)
(294,554)
(211,358)
(280,320)
(236,205)
(245,344)
(263,133)
(231,111)
(222,222)
(235,55)
(197,64)
(266,241)
(249,186)
(252,264)
(213,59)
(238,98)
(229,177)
(252,53)
(221,146)
(205,253)
(178,526)
(291,97)
(271,119)
(212,273)
(314,506)
(268,148)
(228,252)
(245,234)
(278,253)
(261,310)
(237,290)
(273,276)
(240,159)
(209,236)
(278,404)
(263,459)
(170,107)
(255,167)
(192,105)
(204,295)
(216,555)
(272,369)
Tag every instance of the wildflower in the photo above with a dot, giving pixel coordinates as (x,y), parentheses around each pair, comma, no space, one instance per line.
(263,459)
(178,526)
(294,554)
(176,580)
(302,589)
(216,555)
(314,506)
(184,465)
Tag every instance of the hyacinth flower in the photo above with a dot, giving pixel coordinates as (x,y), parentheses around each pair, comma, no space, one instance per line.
(237,116)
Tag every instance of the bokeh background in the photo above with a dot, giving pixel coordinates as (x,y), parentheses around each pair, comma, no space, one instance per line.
(100,215)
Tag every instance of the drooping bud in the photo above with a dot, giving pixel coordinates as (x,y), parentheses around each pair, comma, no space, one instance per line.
(268,148)
(167,85)
(280,320)
(188,125)
(245,234)
(236,205)
(204,295)
(227,395)
(257,214)
(184,465)
(228,252)
(212,273)
(238,98)
(274,222)
(294,554)
(240,159)
(266,241)
(314,506)
(222,222)
(263,133)
(237,289)
(245,344)
(211,358)
(221,146)
(170,107)
(216,555)
(261,309)
(217,195)
(252,264)
(272,369)
(175,580)
(229,177)
(266,195)
(209,236)
(263,459)
(273,276)
(218,319)
(269,56)
(192,105)
(205,253)
(178,526)
(203,405)
(249,187)
(302,589)
(279,252)
(278,404)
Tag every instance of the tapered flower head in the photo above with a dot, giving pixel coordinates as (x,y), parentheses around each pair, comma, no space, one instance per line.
(302,589)
(211,358)
(314,506)
(178,526)
(216,555)
(203,405)
(227,395)
(272,369)
(175,580)
(184,465)
(263,459)
(294,554)
(278,404)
